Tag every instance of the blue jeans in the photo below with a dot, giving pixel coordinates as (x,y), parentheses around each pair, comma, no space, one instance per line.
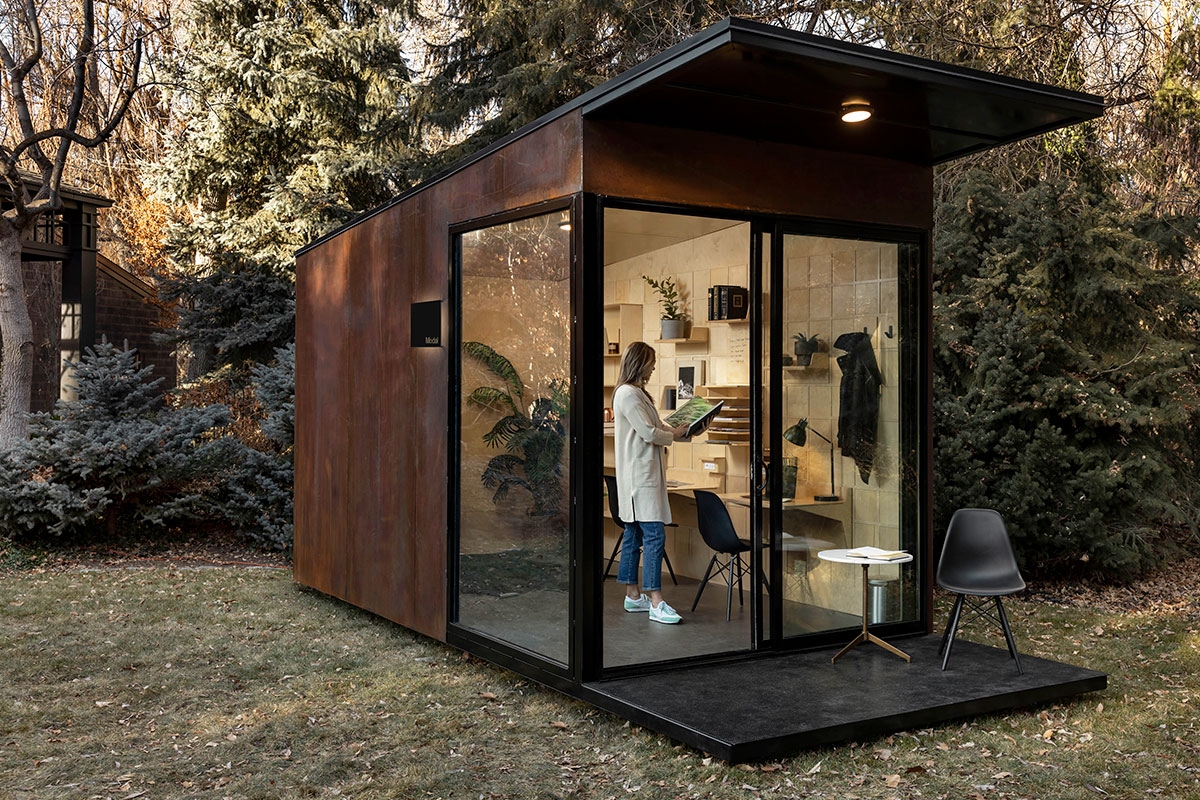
(647,537)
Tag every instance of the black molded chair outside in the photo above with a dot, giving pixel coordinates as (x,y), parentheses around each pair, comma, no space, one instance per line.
(716,527)
(610,483)
(977,561)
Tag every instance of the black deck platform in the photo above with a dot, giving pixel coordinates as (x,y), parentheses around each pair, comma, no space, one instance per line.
(778,705)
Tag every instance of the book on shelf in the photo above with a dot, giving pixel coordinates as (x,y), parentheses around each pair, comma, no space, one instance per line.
(727,302)
(877,553)
(696,413)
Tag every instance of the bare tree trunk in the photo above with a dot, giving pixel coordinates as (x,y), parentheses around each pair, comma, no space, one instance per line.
(16,334)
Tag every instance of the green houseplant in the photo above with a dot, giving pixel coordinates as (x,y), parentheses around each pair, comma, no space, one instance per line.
(532,435)
(674,320)
(804,348)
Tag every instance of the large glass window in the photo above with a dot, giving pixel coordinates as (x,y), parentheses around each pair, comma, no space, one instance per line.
(513,572)
(835,402)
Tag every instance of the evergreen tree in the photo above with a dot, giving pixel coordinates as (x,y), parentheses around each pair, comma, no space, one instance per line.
(117,455)
(1065,370)
(257,482)
(495,65)
(296,120)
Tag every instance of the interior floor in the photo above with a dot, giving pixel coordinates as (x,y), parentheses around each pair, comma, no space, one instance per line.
(536,621)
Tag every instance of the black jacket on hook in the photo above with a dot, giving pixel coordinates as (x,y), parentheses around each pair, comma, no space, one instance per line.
(858,417)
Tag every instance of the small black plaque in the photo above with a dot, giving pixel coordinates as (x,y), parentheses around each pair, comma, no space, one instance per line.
(427,324)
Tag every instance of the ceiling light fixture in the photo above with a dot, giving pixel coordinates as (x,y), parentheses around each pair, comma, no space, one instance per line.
(856,111)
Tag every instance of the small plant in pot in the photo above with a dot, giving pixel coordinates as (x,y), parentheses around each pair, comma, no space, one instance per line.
(804,348)
(674,321)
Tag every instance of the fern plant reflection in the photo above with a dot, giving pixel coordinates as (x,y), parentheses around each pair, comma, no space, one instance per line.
(533,435)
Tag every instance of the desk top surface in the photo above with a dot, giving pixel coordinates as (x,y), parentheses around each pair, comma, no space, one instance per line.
(743,499)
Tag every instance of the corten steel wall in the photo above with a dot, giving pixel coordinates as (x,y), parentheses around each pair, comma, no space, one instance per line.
(659,164)
(371,411)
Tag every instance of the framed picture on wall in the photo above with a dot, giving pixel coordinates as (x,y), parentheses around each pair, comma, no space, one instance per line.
(690,376)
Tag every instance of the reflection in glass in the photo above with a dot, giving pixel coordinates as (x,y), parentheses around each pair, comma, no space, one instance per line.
(513,577)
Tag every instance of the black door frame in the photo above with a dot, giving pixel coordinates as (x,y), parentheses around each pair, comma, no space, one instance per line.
(912,299)
(766,622)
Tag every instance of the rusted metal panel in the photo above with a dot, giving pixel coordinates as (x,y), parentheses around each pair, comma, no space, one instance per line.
(671,165)
(371,410)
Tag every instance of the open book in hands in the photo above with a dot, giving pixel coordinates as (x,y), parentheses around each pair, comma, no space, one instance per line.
(697,414)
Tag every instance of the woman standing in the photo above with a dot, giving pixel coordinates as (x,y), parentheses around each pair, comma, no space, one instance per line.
(640,437)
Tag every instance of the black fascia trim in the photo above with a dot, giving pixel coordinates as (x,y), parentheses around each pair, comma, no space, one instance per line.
(902,65)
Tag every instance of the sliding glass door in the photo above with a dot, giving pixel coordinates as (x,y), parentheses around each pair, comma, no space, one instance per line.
(809,336)
(838,386)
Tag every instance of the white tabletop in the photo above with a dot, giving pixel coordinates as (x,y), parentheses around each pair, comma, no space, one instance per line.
(840,556)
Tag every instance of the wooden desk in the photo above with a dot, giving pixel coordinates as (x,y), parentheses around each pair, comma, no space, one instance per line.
(836,510)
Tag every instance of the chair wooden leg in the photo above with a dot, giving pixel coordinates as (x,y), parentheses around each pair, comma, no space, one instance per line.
(729,592)
(613,556)
(704,582)
(740,570)
(951,629)
(949,620)
(1008,636)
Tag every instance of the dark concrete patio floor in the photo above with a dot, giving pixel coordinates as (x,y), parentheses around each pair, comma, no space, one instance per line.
(778,705)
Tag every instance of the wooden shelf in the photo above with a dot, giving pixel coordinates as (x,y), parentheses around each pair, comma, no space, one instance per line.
(697,336)
(742,321)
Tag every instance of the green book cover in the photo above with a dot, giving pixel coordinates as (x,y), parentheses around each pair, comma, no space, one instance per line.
(696,413)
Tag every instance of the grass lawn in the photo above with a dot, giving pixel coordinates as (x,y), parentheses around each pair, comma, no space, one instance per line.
(233,682)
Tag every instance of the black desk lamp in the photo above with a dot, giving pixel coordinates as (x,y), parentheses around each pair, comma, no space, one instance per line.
(798,435)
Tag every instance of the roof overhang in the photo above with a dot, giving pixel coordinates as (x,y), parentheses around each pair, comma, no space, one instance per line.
(765,83)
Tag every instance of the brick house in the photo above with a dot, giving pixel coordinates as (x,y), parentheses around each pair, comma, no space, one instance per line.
(77,296)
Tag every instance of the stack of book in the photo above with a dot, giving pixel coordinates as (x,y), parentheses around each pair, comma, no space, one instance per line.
(877,554)
(732,424)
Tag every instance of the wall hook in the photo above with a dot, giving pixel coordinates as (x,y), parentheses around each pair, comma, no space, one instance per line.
(889,333)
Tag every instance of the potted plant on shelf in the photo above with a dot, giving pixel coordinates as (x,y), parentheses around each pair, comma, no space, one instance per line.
(804,348)
(674,321)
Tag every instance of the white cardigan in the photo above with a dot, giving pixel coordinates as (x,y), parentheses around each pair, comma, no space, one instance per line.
(640,437)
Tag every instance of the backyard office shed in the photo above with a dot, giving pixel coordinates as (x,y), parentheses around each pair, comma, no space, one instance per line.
(457,351)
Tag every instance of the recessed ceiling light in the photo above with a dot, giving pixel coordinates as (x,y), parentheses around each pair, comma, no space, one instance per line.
(856,111)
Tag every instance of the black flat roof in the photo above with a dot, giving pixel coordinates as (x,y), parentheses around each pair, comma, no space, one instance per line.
(765,83)
(772,84)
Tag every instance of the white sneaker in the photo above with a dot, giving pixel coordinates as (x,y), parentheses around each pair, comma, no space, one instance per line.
(641,604)
(665,614)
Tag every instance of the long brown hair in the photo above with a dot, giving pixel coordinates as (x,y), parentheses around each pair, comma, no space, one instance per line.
(638,356)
